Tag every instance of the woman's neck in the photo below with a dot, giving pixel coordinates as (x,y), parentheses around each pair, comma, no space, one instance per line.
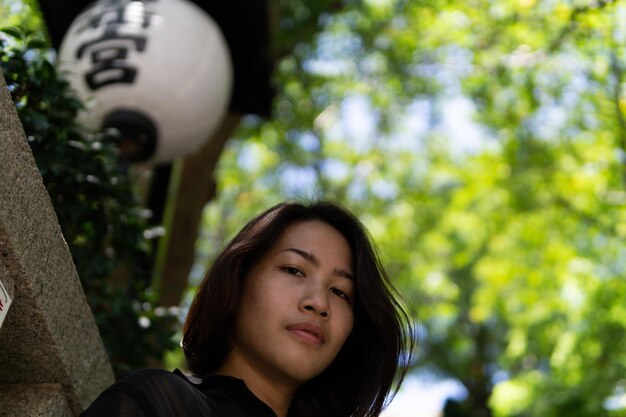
(275,393)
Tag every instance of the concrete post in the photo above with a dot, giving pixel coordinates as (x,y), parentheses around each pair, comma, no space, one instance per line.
(52,360)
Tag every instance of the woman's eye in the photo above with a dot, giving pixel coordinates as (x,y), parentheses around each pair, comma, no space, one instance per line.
(293,271)
(340,293)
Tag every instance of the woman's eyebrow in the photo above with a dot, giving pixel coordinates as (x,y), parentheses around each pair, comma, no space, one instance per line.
(306,255)
(344,273)
(310,257)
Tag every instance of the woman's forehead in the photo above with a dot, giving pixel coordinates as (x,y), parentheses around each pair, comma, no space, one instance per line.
(312,232)
(315,237)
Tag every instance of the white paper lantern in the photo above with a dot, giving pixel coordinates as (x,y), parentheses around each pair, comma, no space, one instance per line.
(158,67)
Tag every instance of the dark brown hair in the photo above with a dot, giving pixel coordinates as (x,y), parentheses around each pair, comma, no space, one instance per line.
(378,349)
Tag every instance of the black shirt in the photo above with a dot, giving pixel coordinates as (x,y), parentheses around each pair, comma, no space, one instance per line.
(159,393)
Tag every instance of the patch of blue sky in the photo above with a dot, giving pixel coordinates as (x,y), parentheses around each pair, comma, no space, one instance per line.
(453,114)
(577,85)
(617,400)
(553,119)
(383,42)
(357,190)
(619,262)
(359,122)
(410,128)
(297,181)
(457,124)
(308,141)
(250,121)
(580,84)
(548,122)
(580,123)
(499,376)
(573,295)
(329,68)
(335,169)
(552,73)
(334,54)
(447,66)
(612,263)
(456,64)
(334,132)
(424,395)
(384,189)
(197,272)
(373,63)
(248,157)
(619,31)
(403,141)
(424,69)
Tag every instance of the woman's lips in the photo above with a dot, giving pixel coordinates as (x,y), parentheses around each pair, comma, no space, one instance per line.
(308,333)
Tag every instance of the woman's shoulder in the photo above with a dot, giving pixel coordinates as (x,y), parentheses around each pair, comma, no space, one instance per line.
(152,376)
(150,392)
(157,382)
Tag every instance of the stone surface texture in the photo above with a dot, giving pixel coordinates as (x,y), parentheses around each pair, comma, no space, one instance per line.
(49,335)
(36,400)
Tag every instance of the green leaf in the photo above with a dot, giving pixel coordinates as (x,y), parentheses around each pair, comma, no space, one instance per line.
(37,43)
(14,32)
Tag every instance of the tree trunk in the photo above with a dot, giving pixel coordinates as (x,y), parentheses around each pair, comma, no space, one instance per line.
(192,189)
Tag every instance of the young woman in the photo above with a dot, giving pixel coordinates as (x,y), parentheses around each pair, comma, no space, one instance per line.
(296,318)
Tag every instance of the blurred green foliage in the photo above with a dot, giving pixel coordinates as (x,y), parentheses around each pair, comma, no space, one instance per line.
(483,144)
(21,13)
(97,206)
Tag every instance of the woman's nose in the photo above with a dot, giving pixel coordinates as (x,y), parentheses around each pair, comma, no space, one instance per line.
(316,300)
(322,312)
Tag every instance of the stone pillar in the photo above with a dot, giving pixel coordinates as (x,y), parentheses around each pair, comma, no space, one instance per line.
(52,360)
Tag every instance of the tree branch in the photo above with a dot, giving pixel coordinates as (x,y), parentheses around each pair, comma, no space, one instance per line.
(573,21)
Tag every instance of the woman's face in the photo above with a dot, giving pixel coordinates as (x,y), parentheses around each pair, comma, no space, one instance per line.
(296,308)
